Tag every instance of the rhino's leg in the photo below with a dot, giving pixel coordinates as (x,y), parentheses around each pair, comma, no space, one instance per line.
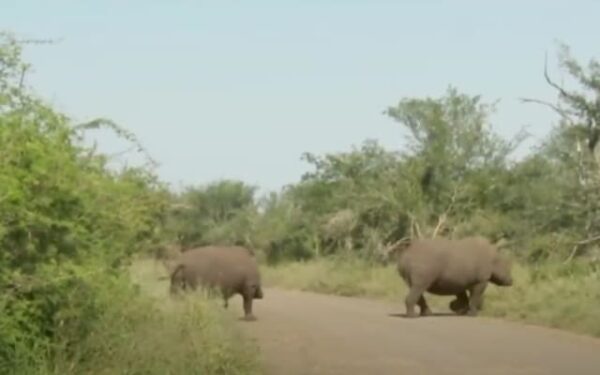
(425,310)
(460,305)
(476,300)
(414,296)
(177,280)
(225,295)
(248,315)
(258,293)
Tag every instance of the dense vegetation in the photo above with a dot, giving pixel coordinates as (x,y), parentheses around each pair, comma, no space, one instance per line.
(455,177)
(69,227)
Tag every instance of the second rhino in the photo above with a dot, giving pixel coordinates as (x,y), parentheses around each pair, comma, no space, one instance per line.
(229,269)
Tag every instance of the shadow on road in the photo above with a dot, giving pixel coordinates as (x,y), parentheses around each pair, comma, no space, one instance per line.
(432,315)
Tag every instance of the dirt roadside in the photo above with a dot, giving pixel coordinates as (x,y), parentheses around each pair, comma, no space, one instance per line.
(307,333)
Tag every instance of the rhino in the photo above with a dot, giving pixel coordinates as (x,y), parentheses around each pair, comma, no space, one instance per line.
(446,267)
(228,269)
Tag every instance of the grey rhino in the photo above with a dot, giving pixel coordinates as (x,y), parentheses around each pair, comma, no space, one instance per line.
(230,269)
(451,267)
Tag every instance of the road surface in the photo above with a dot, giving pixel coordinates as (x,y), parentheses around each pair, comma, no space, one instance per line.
(306,333)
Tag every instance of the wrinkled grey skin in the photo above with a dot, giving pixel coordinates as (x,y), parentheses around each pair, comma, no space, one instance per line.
(229,269)
(451,267)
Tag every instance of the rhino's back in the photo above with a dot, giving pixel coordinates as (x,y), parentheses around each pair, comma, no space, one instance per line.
(228,266)
(448,260)
(424,251)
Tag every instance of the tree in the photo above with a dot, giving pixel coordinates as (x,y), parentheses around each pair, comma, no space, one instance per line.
(221,211)
(573,145)
(450,142)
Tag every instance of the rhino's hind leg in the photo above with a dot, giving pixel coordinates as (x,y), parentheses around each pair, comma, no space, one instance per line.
(425,310)
(177,281)
(226,295)
(258,292)
(248,315)
(415,295)
(460,305)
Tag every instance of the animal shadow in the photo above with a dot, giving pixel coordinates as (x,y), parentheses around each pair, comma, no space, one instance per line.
(432,315)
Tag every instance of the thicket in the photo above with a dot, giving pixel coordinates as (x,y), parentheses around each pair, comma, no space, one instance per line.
(69,226)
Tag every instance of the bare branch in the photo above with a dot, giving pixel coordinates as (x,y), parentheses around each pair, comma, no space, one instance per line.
(589,240)
(441,222)
(444,216)
(452,199)
(563,113)
(395,247)
(579,103)
(572,255)
(578,245)
(415,229)
(550,82)
(502,243)
(22,79)
(121,153)
(100,123)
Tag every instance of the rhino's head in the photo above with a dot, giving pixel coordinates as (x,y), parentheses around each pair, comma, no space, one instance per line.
(501,271)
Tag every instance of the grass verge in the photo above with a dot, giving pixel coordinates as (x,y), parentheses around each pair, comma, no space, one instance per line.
(148,333)
(559,296)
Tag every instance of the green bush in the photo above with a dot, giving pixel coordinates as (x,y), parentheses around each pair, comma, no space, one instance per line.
(138,334)
(106,326)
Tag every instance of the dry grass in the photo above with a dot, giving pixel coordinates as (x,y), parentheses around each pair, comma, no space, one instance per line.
(566,297)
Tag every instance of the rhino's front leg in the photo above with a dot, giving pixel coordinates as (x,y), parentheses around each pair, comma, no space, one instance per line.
(476,294)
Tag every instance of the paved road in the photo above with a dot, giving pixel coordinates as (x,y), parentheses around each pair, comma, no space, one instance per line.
(306,333)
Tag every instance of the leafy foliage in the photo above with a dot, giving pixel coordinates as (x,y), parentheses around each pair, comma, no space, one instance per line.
(65,220)
(220,212)
(357,203)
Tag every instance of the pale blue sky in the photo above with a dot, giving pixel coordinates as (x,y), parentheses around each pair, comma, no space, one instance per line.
(225,89)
